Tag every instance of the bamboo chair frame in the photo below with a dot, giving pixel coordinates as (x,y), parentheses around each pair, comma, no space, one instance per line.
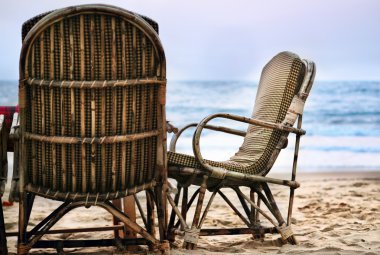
(155,190)
(258,184)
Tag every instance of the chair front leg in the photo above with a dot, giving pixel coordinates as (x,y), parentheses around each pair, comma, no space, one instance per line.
(191,236)
(171,235)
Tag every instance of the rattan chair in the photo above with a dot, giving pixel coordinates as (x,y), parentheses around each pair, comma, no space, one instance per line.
(283,89)
(92,120)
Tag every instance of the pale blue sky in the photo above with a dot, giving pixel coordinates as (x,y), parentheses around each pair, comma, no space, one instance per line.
(233,39)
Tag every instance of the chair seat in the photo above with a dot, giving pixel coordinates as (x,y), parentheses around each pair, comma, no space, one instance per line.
(187,161)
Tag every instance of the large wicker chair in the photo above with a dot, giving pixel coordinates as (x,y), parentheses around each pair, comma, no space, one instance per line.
(283,89)
(92,119)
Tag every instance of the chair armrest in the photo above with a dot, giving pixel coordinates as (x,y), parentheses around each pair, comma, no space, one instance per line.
(171,128)
(220,172)
(174,139)
(256,122)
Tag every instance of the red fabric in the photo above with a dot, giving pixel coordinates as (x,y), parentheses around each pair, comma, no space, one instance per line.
(7,203)
(8,112)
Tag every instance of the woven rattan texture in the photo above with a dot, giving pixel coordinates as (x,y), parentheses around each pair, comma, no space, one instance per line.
(280,80)
(27,25)
(91,47)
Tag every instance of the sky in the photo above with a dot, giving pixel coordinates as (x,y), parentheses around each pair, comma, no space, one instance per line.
(233,39)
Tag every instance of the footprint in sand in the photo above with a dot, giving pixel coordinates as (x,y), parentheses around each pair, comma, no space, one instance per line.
(359,184)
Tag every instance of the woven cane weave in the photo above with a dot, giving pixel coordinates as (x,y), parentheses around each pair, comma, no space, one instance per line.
(96,46)
(27,25)
(280,80)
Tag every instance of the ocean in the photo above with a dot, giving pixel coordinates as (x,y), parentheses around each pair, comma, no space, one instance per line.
(342,120)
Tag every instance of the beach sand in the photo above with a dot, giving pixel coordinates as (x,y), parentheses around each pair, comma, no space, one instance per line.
(334,213)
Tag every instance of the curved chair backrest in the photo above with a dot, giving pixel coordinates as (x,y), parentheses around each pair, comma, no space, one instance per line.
(280,82)
(29,24)
(92,103)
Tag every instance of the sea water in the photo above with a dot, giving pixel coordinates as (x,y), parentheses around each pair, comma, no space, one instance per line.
(342,120)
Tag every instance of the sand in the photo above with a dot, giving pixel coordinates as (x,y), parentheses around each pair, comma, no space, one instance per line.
(334,213)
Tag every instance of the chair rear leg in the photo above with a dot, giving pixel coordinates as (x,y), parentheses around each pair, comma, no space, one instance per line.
(160,213)
(160,195)
(183,212)
(253,210)
(150,216)
(292,239)
(150,213)
(254,216)
(257,215)
(287,232)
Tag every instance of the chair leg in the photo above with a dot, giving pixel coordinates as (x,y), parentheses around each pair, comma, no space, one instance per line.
(164,243)
(252,217)
(190,239)
(232,206)
(184,206)
(292,239)
(29,204)
(3,238)
(117,233)
(273,205)
(207,209)
(171,235)
(257,215)
(150,215)
(129,209)
(22,247)
(132,225)
(245,207)
(26,243)
(160,198)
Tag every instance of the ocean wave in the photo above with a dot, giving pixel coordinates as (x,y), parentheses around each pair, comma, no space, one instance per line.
(342,119)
